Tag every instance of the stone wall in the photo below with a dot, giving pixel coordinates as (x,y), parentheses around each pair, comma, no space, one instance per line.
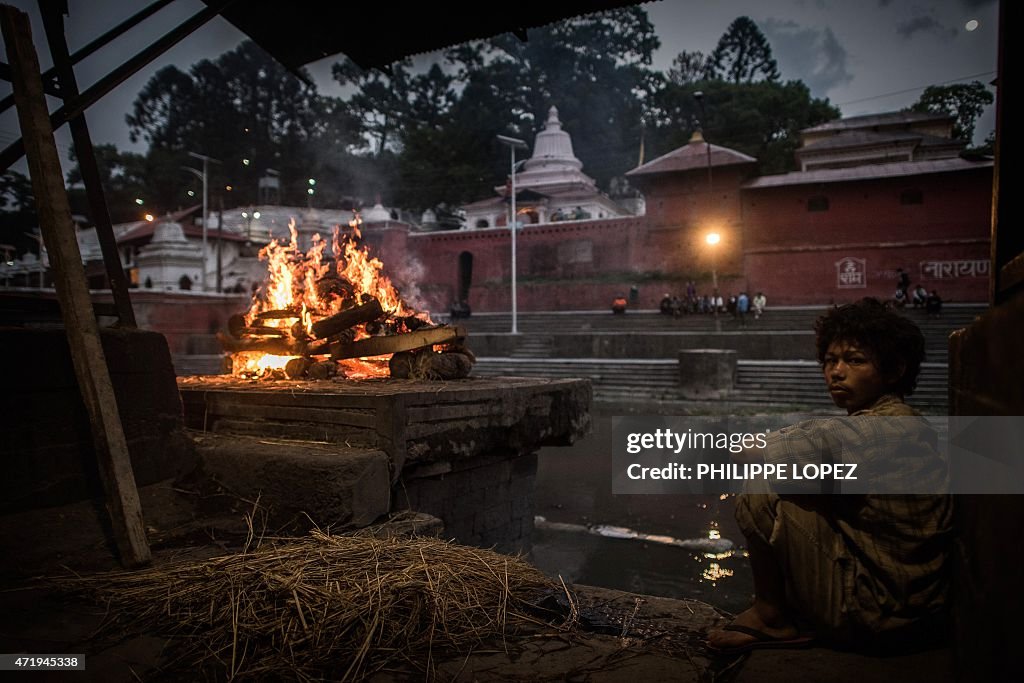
(485,501)
(47,444)
(770,242)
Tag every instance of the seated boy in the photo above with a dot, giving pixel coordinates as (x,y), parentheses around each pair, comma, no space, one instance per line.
(846,568)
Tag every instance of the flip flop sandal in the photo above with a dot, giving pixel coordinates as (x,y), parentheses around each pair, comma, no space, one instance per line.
(763,641)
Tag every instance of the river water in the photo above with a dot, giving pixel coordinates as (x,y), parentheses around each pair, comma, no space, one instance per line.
(667,545)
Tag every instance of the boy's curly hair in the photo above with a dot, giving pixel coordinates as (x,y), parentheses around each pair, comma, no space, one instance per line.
(892,341)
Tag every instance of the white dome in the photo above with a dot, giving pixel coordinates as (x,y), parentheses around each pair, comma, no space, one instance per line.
(378,214)
(168,232)
(553,147)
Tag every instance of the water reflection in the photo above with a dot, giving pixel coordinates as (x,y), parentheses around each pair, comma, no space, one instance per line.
(679,546)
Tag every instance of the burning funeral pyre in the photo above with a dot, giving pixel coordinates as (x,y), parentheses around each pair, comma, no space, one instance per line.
(322,315)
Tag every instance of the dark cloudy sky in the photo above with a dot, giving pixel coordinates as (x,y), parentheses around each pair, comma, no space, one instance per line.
(866,56)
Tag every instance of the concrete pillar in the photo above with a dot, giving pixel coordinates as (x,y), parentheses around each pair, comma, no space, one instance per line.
(706,373)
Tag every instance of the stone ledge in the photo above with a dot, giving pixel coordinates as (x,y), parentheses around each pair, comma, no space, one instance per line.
(334,485)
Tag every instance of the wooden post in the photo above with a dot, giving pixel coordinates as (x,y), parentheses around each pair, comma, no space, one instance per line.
(72,290)
(53,22)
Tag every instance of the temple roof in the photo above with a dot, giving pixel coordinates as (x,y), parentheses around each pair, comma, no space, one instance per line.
(693,156)
(866,172)
(863,138)
(893,118)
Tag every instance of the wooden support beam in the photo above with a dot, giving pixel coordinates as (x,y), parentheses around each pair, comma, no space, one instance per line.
(381,346)
(72,290)
(53,23)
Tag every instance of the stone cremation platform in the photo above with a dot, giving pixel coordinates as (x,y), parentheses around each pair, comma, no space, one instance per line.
(346,451)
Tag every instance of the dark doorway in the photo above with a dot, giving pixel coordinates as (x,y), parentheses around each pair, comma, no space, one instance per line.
(460,307)
(465,275)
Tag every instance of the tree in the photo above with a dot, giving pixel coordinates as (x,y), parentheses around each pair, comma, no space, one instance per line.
(18,220)
(154,177)
(688,67)
(381,103)
(964,101)
(761,119)
(441,124)
(247,111)
(742,55)
(16,193)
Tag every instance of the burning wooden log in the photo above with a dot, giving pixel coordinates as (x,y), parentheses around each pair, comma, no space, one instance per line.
(275,346)
(236,324)
(296,368)
(278,314)
(238,328)
(324,346)
(322,370)
(262,331)
(332,285)
(429,365)
(381,346)
(350,317)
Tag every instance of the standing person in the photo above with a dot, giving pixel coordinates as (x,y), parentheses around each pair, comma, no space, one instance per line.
(849,568)
(717,305)
(760,301)
(933,305)
(742,306)
(902,282)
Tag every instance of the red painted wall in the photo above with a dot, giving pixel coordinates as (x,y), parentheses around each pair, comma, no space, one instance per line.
(792,253)
(770,242)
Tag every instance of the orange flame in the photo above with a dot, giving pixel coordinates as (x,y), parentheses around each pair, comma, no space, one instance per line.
(295,284)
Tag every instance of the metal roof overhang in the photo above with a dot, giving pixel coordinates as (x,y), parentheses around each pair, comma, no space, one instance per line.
(374,35)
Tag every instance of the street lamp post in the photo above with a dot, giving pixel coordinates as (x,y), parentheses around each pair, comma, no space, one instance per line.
(713,238)
(513,144)
(248,216)
(699,96)
(203,175)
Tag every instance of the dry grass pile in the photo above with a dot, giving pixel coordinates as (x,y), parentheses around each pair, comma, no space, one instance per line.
(336,607)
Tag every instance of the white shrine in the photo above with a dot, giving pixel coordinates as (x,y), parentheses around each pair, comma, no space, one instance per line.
(551,187)
(169,261)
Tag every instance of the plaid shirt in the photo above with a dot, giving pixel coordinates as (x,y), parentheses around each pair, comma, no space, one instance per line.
(896,546)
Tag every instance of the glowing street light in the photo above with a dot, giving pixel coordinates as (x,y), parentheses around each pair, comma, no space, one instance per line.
(248,222)
(138,201)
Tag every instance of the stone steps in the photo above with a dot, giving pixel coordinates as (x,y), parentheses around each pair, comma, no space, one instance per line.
(638,321)
(534,346)
(780,382)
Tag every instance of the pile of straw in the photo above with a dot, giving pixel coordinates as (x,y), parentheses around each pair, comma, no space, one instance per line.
(341,607)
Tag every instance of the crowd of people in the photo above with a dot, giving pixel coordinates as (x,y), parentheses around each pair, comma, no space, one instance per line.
(736,305)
